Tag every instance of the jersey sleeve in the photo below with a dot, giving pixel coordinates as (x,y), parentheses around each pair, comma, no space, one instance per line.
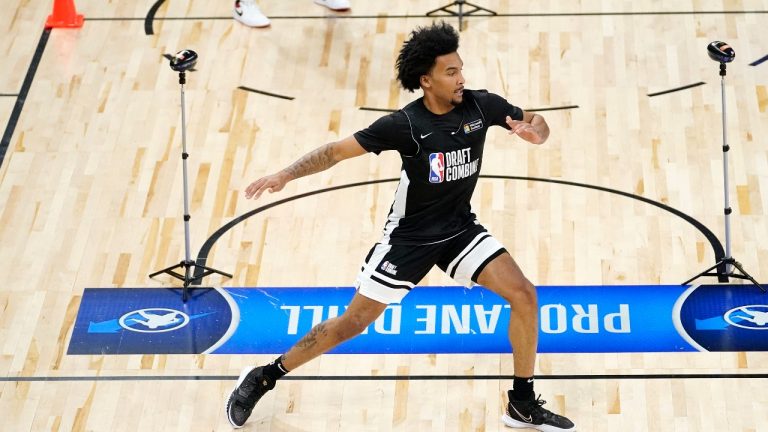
(391,132)
(496,108)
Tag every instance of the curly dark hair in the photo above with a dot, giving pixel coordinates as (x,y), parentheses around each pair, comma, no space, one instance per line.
(417,56)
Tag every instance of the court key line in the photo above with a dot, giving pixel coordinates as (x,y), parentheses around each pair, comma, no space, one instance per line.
(386,377)
(205,249)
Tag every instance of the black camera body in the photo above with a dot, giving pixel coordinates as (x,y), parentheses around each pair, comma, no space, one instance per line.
(183,60)
(721,52)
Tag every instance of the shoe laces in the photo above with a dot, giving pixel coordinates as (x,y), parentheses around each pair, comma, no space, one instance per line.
(248,392)
(537,409)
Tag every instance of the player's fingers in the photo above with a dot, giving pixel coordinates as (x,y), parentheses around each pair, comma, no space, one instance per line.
(254,187)
(257,194)
(260,191)
(519,127)
(515,125)
(272,185)
(251,189)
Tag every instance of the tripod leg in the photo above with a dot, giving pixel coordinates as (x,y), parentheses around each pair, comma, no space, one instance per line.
(167,269)
(213,270)
(478,8)
(746,275)
(202,271)
(443,9)
(703,273)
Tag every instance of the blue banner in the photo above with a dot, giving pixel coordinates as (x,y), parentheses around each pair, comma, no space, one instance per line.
(572,319)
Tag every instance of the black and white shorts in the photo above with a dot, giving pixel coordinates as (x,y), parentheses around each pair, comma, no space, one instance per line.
(391,271)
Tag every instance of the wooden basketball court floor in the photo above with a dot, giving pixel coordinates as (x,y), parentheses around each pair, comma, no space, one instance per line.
(90,193)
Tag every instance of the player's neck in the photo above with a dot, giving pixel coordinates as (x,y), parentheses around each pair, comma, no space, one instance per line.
(436,106)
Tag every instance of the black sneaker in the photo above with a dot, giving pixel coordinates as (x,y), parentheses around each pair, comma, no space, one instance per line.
(250,387)
(531,414)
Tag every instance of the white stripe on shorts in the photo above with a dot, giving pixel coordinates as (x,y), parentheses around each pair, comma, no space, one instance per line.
(472,257)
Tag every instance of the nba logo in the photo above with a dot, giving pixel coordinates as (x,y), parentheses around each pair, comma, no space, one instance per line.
(436,167)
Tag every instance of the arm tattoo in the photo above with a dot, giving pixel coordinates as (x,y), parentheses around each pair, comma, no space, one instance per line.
(310,339)
(315,161)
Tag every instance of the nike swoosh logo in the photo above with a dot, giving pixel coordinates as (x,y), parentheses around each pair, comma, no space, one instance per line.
(528,419)
(424,136)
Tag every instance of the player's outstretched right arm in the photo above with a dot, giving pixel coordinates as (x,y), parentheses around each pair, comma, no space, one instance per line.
(315,161)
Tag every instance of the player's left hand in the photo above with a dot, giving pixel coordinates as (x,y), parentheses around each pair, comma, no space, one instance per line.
(524,130)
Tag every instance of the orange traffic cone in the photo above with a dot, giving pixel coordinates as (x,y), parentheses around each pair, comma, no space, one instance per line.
(64,15)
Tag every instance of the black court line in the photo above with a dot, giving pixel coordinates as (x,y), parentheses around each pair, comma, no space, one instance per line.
(154,8)
(685,87)
(566,107)
(202,256)
(265,93)
(717,247)
(150,18)
(378,109)
(649,13)
(758,61)
(9,94)
(22,96)
(387,377)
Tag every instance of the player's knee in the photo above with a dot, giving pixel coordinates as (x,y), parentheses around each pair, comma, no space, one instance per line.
(521,294)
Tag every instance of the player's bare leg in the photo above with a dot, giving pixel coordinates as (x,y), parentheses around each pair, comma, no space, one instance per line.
(254,383)
(361,312)
(504,277)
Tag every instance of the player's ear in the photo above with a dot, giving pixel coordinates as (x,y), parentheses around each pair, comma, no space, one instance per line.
(425,81)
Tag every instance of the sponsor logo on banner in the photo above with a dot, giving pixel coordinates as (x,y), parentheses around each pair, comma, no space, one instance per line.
(752,317)
(723,318)
(155,320)
(151,321)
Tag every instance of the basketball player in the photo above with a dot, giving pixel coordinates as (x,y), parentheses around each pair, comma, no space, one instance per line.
(440,139)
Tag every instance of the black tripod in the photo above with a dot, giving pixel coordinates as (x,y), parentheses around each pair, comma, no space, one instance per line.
(460,4)
(723,53)
(182,62)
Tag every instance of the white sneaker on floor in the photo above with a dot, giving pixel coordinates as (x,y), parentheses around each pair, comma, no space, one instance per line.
(336,5)
(249,14)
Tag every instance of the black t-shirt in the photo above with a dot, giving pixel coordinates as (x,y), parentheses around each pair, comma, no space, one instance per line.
(441,157)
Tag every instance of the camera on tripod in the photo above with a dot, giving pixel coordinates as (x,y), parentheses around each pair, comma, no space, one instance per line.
(721,52)
(183,60)
(726,266)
